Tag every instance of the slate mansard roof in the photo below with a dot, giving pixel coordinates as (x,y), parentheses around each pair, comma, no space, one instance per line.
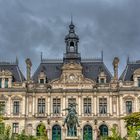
(127,74)
(14,69)
(91,69)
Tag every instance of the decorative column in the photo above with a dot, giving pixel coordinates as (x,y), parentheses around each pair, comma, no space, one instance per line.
(118,106)
(80,105)
(121,105)
(33,105)
(115,65)
(28,68)
(110,106)
(95,105)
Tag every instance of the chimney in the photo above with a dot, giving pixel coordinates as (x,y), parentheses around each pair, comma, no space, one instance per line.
(115,66)
(28,68)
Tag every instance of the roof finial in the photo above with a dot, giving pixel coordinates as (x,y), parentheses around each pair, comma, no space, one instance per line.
(41,55)
(16,60)
(102,55)
(128,59)
(71,19)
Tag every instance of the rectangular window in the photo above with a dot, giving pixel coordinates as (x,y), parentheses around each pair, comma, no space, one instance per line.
(56,106)
(16,108)
(6,82)
(2,107)
(102,80)
(138,82)
(128,106)
(87,106)
(41,81)
(41,105)
(0,82)
(103,105)
(15,128)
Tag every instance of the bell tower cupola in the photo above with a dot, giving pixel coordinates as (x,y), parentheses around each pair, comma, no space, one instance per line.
(71,41)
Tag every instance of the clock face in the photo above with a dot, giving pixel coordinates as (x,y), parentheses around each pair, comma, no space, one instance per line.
(72,77)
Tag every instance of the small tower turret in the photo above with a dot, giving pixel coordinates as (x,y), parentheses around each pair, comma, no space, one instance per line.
(28,67)
(115,66)
(71,41)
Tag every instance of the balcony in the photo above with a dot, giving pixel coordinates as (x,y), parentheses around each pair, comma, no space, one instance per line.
(41,115)
(103,114)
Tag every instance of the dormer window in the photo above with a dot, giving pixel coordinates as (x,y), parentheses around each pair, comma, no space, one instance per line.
(102,80)
(41,81)
(139,82)
(42,78)
(6,82)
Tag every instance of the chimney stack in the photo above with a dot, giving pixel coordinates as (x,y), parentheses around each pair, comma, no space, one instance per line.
(28,68)
(115,66)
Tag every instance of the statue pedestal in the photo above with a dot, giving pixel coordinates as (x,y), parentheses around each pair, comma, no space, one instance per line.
(71,138)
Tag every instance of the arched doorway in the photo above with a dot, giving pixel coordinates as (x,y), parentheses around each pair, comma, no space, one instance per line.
(41,130)
(103,130)
(56,132)
(87,132)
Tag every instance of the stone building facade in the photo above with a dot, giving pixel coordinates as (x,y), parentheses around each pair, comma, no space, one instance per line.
(102,98)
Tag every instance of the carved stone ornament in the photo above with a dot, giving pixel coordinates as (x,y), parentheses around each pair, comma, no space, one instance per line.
(137,72)
(72,76)
(5,73)
(16,98)
(3,97)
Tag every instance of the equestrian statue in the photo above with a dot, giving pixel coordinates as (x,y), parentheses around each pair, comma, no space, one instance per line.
(71,120)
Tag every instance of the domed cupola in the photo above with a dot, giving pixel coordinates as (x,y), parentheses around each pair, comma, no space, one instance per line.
(71,41)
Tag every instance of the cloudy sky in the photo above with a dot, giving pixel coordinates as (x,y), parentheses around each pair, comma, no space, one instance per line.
(28,27)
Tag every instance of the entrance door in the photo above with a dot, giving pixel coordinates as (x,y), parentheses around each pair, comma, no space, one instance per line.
(56,132)
(87,132)
(103,130)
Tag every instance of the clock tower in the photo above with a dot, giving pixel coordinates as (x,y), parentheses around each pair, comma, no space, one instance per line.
(71,41)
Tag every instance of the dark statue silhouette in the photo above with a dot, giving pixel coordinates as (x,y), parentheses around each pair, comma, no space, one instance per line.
(71,120)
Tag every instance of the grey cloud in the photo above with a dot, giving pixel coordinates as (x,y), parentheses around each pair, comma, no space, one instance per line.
(32,26)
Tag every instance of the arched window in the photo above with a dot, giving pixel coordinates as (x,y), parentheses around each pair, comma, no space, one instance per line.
(103,130)
(56,132)
(128,106)
(71,43)
(87,132)
(71,46)
(41,130)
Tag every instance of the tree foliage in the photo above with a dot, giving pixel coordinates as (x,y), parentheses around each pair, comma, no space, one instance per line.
(133,125)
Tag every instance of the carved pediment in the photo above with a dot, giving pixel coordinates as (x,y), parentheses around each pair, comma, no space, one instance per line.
(5,73)
(3,97)
(42,75)
(16,98)
(72,76)
(137,72)
(71,66)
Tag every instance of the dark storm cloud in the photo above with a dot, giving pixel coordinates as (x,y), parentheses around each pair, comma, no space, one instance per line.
(28,27)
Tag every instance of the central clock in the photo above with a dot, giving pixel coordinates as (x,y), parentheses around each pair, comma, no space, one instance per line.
(72,77)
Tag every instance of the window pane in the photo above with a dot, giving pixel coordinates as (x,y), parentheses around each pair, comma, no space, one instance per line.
(41,105)
(138,82)
(128,106)
(15,128)
(6,83)
(103,105)
(16,108)
(56,106)
(42,81)
(87,105)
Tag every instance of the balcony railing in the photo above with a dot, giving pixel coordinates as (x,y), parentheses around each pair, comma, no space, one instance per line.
(103,114)
(41,115)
